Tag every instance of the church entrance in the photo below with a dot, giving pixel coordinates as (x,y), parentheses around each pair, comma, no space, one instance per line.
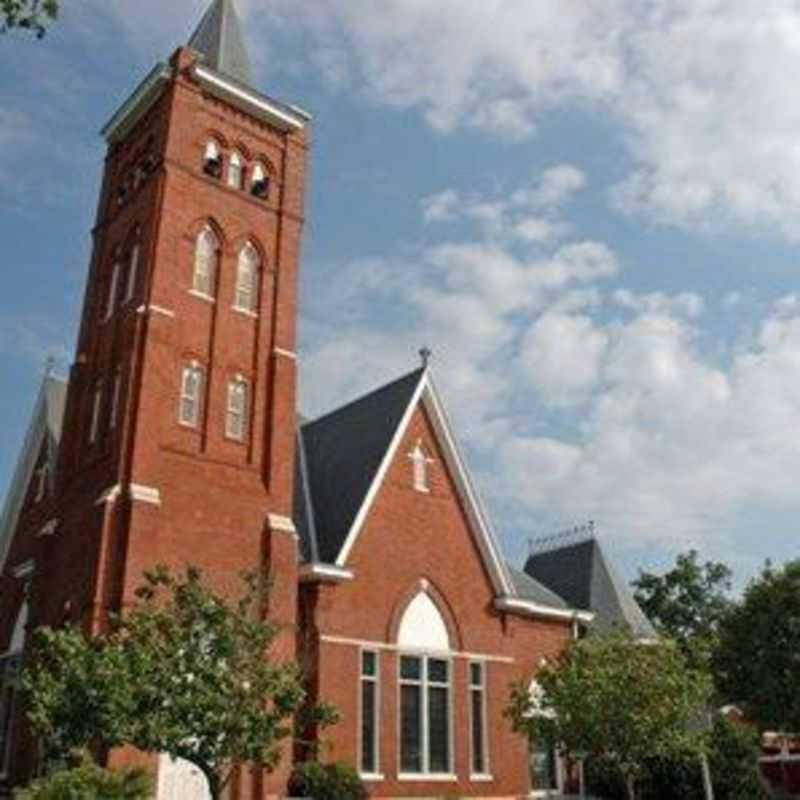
(180,780)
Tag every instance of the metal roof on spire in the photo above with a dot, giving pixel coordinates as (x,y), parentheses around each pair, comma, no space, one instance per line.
(219,38)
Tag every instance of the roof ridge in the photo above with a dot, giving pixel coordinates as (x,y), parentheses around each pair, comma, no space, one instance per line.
(361,398)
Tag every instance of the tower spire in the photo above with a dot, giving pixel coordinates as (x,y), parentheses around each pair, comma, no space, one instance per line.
(219,38)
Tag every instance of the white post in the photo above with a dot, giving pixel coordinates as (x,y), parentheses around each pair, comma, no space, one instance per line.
(707,785)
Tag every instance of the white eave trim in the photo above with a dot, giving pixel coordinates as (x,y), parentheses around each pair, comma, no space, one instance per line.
(24,570)
(516,605)
(143,97)
(324,573)
(479,521)
(283,117)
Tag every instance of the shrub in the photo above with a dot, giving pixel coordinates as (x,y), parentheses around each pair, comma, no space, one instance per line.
(326,782)
(90,782)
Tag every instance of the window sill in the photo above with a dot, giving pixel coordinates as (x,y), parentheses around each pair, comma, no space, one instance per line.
(202,296)
(481,777)
(245,312)
(422,777)
(371,777)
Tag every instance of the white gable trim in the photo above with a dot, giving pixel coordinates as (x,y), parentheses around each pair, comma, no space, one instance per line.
(377,482)
(309,504)
(479,522)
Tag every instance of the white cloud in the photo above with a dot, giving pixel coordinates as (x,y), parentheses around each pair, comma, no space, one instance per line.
(704,89)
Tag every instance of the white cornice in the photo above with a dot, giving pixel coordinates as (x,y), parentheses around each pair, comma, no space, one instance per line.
(516,605)
(283,117)
(324,573)
(132,110)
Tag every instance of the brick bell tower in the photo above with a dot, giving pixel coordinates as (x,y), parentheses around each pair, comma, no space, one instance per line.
(178,435)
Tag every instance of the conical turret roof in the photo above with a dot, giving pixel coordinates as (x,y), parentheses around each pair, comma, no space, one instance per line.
(219,38)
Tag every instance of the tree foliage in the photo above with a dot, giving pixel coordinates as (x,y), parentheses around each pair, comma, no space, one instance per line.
(186,672)
(29,15)
(87,781)
(757,661)
(617,701)
(331,781)
(687,602)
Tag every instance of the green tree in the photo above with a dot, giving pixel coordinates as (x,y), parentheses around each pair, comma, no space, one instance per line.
(619,702)
(757,660)
(687,602)
(87,781)
(186,672)
(30,15)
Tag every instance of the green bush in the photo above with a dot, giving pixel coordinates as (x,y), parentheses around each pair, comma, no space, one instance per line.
(733,760)
(326,782)
(90,782)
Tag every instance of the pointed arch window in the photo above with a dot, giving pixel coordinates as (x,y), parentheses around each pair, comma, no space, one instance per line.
(247,278)
(115,399)
(10,665)
(238,409)
(133,270)
(42,480)
(236,171)
(111,297)
(97,407)
(192,384)
(206,260)
(212,159)
(426,718)
(260,185)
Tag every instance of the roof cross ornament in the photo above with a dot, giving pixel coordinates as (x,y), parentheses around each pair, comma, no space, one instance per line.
(426,354)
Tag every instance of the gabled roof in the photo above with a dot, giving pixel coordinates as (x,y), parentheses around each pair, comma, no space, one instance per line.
(529,589)
(44,430)
(219,38)
(581,574)
(343,452)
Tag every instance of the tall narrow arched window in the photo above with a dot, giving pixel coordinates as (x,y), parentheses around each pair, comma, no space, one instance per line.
(260,183)
(212,160)
(111,297)
(425,723)
(133,270)
(206,259)
(247,278)
(236,171)
(238,408)
(10,665)
(191,405)
(421,467)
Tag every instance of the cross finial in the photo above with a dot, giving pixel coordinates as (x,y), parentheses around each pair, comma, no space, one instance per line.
(425,354)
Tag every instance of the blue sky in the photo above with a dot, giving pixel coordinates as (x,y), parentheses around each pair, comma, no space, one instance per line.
(589,211)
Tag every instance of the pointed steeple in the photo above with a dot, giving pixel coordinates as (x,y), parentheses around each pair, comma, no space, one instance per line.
(219,38)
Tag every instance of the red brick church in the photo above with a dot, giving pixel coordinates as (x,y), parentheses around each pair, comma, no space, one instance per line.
(177,440)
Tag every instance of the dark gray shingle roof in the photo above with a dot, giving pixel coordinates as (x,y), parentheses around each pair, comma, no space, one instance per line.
(529,589)
(220,39)
(344,451)
(582,575)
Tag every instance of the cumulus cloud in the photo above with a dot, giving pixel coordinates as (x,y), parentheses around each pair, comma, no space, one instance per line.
(582,401)
(704,89)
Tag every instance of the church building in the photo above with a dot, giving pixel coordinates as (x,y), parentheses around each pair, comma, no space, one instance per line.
(177,440)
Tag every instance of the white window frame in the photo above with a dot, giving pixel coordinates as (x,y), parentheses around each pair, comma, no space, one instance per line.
(111,297)
(486,772)
(425,684)
(248,279)
(236,171)
(190,369)
(204,274)
(133,270)
(233,413)
(375,680)
(97,407)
